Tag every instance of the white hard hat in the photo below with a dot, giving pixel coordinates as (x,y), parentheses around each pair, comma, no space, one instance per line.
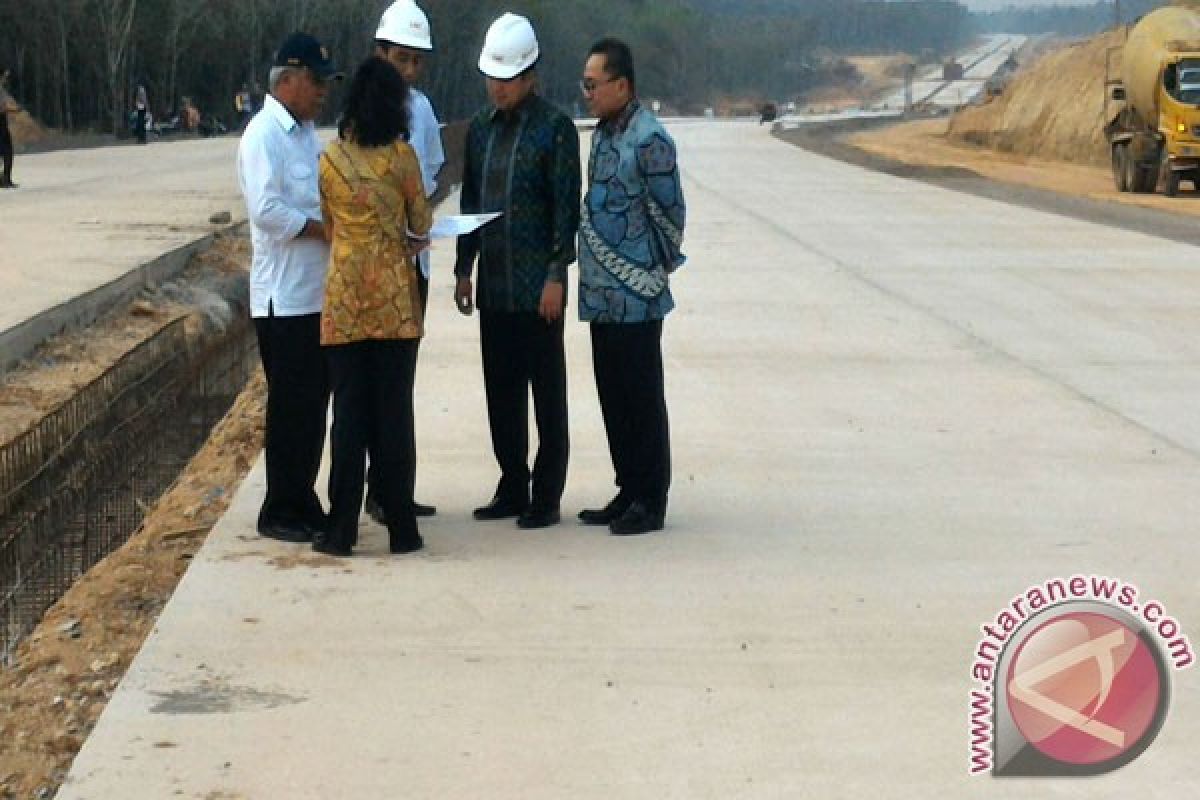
(405,24)
(510,48)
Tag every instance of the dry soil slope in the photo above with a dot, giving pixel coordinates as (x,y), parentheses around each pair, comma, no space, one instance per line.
(1053,109)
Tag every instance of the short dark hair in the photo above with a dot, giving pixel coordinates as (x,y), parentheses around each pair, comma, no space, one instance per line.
(376,111)
(618,59)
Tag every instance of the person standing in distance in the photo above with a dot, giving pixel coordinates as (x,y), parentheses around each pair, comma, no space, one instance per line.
(629,244)
(522,159)
(404,39)
(141,112)
(277,171)
(7,106)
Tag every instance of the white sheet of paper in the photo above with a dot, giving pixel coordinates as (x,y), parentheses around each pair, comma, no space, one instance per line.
(459,224)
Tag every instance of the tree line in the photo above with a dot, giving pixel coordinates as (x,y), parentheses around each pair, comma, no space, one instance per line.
(76,63)
(1081,20)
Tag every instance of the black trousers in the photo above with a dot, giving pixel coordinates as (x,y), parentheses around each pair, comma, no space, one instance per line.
(522,351)
(6,150)
(372,408)
(423,290)
(627,360)
(297,402)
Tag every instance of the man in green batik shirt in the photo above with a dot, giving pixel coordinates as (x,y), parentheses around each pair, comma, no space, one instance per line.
(521,159)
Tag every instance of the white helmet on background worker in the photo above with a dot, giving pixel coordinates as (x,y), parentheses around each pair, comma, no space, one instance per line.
(510,48)
(405,24)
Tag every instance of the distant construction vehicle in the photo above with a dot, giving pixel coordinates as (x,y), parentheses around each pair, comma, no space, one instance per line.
(1155,133)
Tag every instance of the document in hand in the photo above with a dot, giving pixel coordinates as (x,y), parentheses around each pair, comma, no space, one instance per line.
(459,224)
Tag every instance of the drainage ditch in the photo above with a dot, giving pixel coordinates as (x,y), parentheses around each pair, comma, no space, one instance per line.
(77,483)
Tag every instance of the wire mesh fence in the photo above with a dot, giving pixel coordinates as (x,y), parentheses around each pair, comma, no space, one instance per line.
(75,486)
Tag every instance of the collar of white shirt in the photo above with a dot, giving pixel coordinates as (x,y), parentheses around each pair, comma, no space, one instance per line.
(278,112)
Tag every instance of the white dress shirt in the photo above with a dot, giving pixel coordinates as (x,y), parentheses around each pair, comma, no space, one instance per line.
(425,136)
(277,169)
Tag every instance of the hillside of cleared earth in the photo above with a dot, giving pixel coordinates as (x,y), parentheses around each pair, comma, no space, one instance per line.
(1045,131)
(1053,109)
(1056,108)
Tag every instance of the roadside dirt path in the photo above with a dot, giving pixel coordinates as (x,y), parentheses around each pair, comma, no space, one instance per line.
(919,151)
(69,666)
(925,143)
(66,670)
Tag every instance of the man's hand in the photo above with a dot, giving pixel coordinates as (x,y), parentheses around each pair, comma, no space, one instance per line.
(462,296)
(551,307)
(313,229)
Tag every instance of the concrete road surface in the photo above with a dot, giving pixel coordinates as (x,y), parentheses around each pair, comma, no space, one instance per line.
(894,408)
(83,218)
(980,62)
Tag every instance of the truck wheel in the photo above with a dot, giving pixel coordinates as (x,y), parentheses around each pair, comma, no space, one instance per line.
(1132,173)
(1119,167)
(1149,180)
(1172,183)
(1142,179)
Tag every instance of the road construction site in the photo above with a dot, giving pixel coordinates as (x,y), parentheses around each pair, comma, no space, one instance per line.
(894,406)
(932,88)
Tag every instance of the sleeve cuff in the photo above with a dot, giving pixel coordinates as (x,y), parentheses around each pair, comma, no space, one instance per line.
(295,226)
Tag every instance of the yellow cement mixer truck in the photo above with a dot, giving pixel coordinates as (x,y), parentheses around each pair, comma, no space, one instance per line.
(1154,133)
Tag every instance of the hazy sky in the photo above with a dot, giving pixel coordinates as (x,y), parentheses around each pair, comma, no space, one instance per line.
(992,5)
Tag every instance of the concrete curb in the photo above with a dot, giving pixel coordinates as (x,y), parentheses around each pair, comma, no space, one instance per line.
(19,342)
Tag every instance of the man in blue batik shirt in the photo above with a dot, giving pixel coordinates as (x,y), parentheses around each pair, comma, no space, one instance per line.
(629,243)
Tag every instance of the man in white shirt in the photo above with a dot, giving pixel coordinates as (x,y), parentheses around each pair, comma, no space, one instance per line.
(277,171)
(405,40)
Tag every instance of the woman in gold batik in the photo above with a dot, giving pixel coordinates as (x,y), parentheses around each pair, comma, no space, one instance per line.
(374,207)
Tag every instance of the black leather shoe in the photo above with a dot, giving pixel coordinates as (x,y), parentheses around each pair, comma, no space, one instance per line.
(409,542)
(403,536)
(501,508)
(375,511)
(293,532)
(538,517)
(603,516)
(323,543)
(636,519)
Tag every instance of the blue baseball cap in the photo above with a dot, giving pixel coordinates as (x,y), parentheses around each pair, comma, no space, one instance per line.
(303,50)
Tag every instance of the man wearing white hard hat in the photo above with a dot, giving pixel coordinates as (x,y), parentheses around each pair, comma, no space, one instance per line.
(521,159)
(405,40)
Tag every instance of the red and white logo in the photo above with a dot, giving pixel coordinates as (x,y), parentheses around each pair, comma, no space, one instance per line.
(1085,689)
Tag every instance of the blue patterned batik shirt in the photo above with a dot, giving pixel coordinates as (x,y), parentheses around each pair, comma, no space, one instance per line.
(631,230)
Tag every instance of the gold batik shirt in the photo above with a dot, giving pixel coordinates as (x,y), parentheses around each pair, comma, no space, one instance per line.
(372,197)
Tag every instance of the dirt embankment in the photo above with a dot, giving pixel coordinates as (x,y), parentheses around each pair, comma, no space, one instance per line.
(1054,109)
(25,129)
(1046,131)
(66,670)
(862,80)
